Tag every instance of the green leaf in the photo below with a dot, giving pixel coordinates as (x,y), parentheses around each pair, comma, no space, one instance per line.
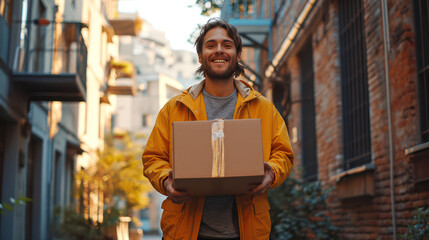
(26,199)
(7,206)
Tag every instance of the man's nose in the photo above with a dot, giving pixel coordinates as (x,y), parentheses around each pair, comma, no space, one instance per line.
(219,48)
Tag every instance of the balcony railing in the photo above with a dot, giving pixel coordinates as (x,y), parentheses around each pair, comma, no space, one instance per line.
(252,20)
(50,61)
(247,15)
(243,9)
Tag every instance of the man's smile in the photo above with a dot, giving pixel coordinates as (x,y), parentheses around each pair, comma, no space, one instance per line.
(219,61)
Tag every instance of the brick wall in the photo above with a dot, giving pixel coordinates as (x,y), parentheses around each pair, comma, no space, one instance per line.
(328,96)
(363,218)
(369,217)
(403,81)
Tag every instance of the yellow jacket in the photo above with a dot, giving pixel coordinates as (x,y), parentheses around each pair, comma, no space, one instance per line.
(182,221)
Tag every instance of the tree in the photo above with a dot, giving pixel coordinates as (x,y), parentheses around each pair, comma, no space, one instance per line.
(208,7)
(118,176)
(118,173)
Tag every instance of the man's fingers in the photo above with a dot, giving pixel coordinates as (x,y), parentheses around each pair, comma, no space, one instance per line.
(179,197)
(265,184)
(260,189)
(176,196)
(177,193)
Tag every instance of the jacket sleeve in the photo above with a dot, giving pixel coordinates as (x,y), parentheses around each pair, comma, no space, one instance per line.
(281,157)
(156,165)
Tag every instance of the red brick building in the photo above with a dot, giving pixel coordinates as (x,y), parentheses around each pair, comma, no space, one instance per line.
(356,102)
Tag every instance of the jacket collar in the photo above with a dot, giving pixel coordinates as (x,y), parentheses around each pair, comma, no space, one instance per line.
(243,88)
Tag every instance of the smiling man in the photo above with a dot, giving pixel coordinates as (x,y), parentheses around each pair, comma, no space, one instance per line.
(219,95)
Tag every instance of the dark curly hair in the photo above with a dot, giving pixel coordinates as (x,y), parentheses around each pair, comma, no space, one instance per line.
(232,33)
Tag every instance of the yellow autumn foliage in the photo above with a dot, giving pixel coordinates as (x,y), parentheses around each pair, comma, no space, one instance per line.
(119,173)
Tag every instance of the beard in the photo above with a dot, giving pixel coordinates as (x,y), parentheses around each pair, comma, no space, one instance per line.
(225,75)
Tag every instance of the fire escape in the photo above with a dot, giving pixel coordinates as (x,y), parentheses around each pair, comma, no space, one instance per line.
(253,22)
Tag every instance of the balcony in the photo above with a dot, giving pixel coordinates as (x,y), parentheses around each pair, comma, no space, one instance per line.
(126,25)
(251,20)
(124,78)
(50,61)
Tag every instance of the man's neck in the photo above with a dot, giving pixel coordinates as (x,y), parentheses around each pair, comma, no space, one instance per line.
(219,88)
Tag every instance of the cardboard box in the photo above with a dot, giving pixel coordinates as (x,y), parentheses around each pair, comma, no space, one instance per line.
(195,168)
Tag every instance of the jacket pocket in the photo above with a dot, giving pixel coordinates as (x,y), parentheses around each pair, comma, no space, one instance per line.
(262,221)
(170,218)
(260,204)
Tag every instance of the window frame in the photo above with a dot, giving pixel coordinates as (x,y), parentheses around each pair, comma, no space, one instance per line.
(422,55)
(354,85)
(308,114)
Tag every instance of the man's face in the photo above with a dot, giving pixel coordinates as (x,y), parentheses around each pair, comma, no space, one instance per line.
(219,57)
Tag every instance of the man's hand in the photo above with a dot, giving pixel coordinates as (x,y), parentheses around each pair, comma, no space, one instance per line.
(266,181)
(174,195)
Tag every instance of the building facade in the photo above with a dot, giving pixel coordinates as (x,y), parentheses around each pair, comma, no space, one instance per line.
(351,81)
(54,76)
(162,74)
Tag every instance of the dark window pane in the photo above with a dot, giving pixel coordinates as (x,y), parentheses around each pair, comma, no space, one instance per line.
(308,115)
(354,85)
(421,8)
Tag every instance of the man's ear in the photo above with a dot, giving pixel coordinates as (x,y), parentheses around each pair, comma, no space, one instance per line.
(199,59)
(238,57)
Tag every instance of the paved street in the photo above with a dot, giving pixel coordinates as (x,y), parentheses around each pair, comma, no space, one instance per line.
(151,237)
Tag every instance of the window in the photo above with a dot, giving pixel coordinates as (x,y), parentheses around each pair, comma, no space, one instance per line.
(69,180)
(421,8)
(281,94)
(159,59)
(113,119)
(243,7)
(354,84)
(5,22)
(32,208)
(39,53)
(56,179)
(147,120)
(144,120)
(308,115)
(2,152)
(6,10)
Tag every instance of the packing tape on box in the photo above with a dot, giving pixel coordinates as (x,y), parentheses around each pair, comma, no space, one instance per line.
(218,168)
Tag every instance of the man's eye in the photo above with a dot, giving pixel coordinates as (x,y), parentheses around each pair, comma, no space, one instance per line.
(228,45)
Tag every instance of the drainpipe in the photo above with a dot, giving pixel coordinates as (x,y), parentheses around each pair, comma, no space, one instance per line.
(389,113)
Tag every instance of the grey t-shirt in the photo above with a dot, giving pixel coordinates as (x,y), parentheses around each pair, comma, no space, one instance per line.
(219,218)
